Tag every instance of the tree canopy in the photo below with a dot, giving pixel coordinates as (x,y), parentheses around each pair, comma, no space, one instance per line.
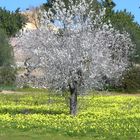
(11,22)
(6,55)
(124,21)
(83,58)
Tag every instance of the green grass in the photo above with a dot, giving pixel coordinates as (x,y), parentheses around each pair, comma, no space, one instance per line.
(43,115)
(15,134)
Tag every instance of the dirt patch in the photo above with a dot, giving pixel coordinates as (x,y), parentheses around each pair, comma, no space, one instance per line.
(9,92)
(106,94)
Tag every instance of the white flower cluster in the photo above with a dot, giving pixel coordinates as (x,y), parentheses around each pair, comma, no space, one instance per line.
(89,52)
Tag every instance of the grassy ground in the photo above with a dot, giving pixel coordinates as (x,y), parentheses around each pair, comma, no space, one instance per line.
(38,114)
(14,134)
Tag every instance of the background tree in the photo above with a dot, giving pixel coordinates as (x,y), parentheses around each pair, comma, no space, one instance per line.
(83,58)
(11,22)
(7,75)
(49,4)
(94,5)
(123,21)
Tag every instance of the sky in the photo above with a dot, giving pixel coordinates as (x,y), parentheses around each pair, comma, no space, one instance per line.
(12,5)
(131,5)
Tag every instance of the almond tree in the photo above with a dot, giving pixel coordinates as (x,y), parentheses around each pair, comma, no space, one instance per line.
(86,53)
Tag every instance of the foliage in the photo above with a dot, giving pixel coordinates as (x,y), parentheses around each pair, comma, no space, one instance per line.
(7,76)
(49,4)
(11,22)
(7,71)
(124,21)
(85,53)
(121,20)
(6,54)
(131,79)
(108,4)
(83,57)
(101,117)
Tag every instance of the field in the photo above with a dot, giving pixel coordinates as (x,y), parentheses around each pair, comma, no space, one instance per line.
(42,115)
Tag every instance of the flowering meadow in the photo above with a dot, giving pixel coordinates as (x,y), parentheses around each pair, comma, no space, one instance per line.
(101,117)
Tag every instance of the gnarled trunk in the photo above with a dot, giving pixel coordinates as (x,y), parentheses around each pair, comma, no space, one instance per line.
(73,98)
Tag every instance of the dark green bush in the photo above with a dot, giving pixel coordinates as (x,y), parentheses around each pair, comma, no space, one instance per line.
(7,76)
(7,70)
(131,79)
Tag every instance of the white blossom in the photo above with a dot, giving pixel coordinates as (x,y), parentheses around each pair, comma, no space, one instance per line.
(88,52)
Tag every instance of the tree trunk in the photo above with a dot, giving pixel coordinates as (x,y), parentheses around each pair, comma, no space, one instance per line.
(73,98)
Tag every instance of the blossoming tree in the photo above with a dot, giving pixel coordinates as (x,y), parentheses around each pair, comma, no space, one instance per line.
(86,53)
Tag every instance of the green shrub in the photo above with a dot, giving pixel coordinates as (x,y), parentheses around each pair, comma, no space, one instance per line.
(7,76)
(131,79)
(7,72)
